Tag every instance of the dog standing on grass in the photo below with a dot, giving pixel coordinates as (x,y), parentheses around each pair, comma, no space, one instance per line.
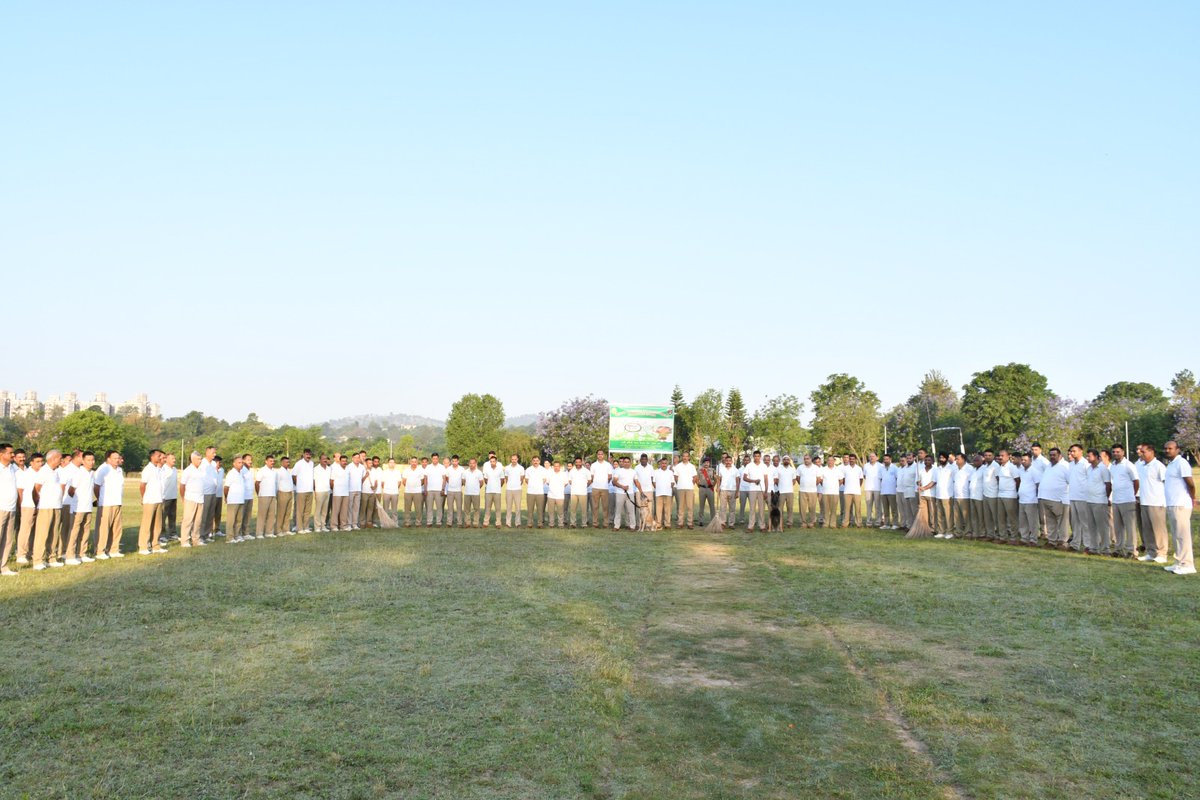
(776,515)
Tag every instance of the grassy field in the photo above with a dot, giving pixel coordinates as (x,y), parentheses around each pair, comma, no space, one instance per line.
(471,664)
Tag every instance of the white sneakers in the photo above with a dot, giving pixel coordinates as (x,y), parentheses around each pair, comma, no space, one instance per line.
(1179,569)
(117,554)
(1160,559)
(38,567)
(143,552)
(22,560)
(71,562)
(57,563)
(159,550)
(87,559)
(102,556)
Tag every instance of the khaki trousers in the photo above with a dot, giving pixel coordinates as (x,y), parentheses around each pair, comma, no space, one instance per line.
(45,531)
(931,506)
(1154,530)
(235,515)
(959,513)
(577,511)
(600,517)
(728,506)
(851,510)
(267,525)
(366,509)
(890,514)
(991,517)
(209,514)
(339,512)
(321,515)
(1099,530)
(874,508)
(685,499)
(247,517)
(758,511)
(435,504)
(1125,527)
(942,523)
(217,515)
(304,511)
(1030,525)
(471,509)
(554,512)
(810,508)
(170,526)
(1007,523)
(787,502)
(491,509)
(28,523)
(512,505)
(109,539)
(535,506)
(353,507)
(454,508)
(64,531)
(1056,515)
(624,511)
(189,528)
(829,510)
(908,510)
(77,545)
(706,498)
(8,536)
(414,507)
(391,504)
(151,527)
(1080,519)
(1179,519)
(662,511)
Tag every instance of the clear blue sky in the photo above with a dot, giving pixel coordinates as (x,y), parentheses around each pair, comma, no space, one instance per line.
(310,210)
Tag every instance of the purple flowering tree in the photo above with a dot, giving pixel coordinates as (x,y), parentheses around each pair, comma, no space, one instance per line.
(579,427)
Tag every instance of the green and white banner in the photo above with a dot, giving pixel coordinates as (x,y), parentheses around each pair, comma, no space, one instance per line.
(641,429)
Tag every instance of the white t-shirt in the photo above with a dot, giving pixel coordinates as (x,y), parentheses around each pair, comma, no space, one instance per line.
(8,489)
(212,481)
(236,487)
(991,485)
(1097,477)
(787,480)
(25,484)
(664,482)
(321,478)
(873,477)
(50,491)
(355,473)
(889,478)
(808,474)
(283,481)
(854,476)
(1153,491)
(729,479)
(830,478)
(303,472)
(945,482)
(513,474)
(111,481)
(390,481)
(81,481)
(556,483)
(1078,488)
(644,475)
(962,481)
(926,477)
(1055,483)
(1006,480)
(454,478)
(472,481)
(435,475)
(152,480)
(1177,495)
(759,472)
(341,480)
(685,476)
(1030,478)
(247,484)
(535,480)
(414,480)
(907,484)
(493,477)
(66,474)
(624,476)
(192,479)
(579,481)
(170,482)
(268,481)
(602,472)
(1123,474)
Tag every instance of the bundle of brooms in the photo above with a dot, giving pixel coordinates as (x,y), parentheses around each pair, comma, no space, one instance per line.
(920,528)
(717,523)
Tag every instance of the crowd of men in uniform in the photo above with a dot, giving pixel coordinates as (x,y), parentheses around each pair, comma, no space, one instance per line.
(59,510)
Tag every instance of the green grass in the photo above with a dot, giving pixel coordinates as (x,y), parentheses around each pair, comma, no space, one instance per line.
(556,664)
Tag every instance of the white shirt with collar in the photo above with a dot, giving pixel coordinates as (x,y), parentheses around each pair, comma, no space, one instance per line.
(1123,474)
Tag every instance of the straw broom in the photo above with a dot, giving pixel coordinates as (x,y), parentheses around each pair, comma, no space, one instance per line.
(384,517)
(717,523)
(920,528)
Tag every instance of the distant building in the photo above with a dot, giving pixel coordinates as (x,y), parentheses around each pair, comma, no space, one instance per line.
(12,405)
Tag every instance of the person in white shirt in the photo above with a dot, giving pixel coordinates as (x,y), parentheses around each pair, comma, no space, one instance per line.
(685,491)
(473,481)
(601,475)
(234,492)
(303,482)
(493,490)
(435,491)
(212,492)
(991,496)
(663,480)
(927,478)
(556,481)
(1080,517)
(872,485)
(339,489)
(942,495)
(1053,491)
(1152,500)
(150,487)
(248,475)
(727,486)
(191,481)
(28,507)
(580,484)
(535,493)
(1099,487)
(66,473)
(889,480)
(785,486)
(1028,507)
(389,487)
(216,523)
(809,491)
(1008,478)
(624,489)
(109,487)
(81,491)
(1124,477)
(48,494)
(322,482)
(9,498)
(454,493)
(830,481)
(170,489)
(1180,492)
(266,484)
(356,471)
(960,505)
(907,489)
(643,481)
(414,494)
(514,476)
(285,492)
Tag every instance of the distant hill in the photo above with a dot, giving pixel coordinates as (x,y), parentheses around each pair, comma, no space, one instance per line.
(520,421)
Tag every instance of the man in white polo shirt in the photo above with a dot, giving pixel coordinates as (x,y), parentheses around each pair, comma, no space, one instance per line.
(435,491)
(212,492)
(83,498)
(601,471)
(1124,478)
(9,498)
(266,483)
(556,480)
(685,491)
(192,481)
(1029,525)
(1152,498)
(1053,498)
(927,478)
(1077,498)
(810,492)
(943,495)
(581,479)
(322,480)
(248,475)
(285,492)
(150,487)
(170,489)
(991,497)
(302,482)
(454,493)
(66,476)
(27,507)
(663,480)
(1099,487)
(625,489)
(414,494)
(234,492)
(514,477)
(1181,499)
(1008,479)
(872,484)
(960,504)
(389,482)
(109,487)
(907,491)
(493,490)
(48,493)
(889,507)
(473,481)
(356,472)
(339,492)
(785,485)
(830,481)
(535,493)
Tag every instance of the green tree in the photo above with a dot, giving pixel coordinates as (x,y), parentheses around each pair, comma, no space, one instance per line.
(846,415)
(89,430)
(737,425)
(683,420)
(777,424)
(473,427)
(1005,402)
(1142,405)
(578,427)
(515,440)
(707,417)
(934,405)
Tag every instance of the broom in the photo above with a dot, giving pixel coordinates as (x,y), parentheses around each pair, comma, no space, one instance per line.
(385,519)
(717,523)
(920,527)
